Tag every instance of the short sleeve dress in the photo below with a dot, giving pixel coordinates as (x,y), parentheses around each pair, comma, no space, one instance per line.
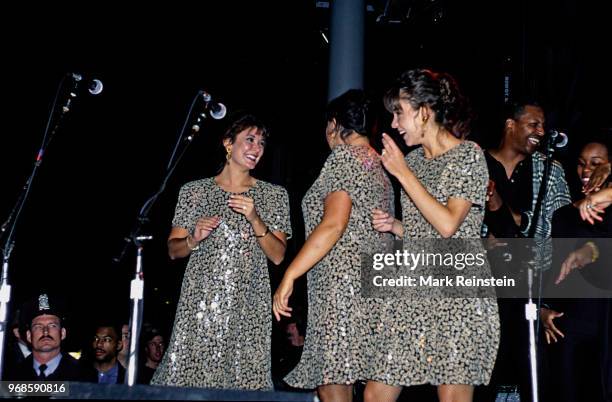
(222,329)
(333,351)
(424,340)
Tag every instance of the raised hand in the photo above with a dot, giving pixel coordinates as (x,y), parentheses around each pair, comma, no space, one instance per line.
(243,205)
(392,157)
(597,179)
(592,207)
(204,227)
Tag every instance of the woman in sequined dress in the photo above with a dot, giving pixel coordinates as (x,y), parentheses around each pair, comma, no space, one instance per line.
(337,210)
(229,226)
(447,342)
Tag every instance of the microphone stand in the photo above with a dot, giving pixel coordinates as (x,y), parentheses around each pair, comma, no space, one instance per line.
(531,315)
(137,237)
(8,228)
(531,310)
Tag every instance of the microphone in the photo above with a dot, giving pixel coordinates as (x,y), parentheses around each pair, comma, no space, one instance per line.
(94,86)
(216,110)
(557,138)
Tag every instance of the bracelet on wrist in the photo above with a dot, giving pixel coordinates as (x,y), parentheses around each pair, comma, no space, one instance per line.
(192,248)
(594,250)
(264,233)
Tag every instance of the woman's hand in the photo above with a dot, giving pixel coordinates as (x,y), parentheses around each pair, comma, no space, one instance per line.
(243,205)
(597,179)
(382,221)
(577,259)
(551,331)
(592,206)
(204,227)
(392,157)
(280,302)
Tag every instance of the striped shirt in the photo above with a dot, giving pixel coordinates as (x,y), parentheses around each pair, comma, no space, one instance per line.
(557,195)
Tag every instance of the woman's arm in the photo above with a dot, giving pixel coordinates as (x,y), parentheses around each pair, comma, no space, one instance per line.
(336,214)
(446,219)
(335,219)
(181,243)
(273,244)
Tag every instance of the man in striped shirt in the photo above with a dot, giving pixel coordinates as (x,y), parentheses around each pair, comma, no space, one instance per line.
(516,171)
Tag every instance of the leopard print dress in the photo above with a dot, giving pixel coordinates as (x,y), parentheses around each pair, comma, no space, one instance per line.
(222,330)
(438,340)
(333,351)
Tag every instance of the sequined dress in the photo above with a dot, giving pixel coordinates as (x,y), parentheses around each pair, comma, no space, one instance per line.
(333,351)
(222,329)
(438,340)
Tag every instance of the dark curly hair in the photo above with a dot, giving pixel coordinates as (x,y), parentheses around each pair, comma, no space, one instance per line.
(351,112)
(438,91)
(242,123)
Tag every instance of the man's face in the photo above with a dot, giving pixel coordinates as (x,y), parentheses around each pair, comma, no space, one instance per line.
(527,130)
(106,344)
(155,348)
(46,333)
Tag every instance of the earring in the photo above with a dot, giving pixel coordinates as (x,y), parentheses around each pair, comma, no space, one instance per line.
(228,155)
(332,138)
(425,118)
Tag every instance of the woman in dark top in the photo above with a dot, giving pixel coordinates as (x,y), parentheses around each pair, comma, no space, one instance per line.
(578,330)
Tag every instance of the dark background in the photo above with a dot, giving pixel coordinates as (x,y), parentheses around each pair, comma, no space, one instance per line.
(268,57)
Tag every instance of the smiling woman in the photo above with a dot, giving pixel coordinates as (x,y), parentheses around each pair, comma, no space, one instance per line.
(447,342)
(228,225)
(244,143)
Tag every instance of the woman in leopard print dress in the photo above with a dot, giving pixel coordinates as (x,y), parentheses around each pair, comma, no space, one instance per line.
(447,342)
(228,225)
(337,214)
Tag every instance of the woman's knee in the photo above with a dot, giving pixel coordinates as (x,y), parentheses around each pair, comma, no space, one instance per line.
(378,392)
(455,393)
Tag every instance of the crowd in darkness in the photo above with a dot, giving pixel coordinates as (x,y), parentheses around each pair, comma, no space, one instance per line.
(38,330)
